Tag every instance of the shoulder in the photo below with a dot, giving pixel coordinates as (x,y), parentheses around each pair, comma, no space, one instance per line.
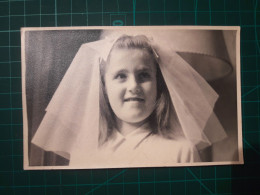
(176,150)
(179,142)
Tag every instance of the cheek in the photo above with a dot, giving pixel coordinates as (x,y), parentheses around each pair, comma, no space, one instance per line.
(115,92)
(150,91)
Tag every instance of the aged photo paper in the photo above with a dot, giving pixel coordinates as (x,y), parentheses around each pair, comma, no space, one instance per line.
(114,97)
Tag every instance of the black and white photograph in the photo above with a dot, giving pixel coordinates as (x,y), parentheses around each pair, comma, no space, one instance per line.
(122,97)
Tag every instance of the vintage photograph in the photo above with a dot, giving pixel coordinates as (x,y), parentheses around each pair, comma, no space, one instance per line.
(114,97)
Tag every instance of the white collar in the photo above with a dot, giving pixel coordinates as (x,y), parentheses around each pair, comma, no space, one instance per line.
(132,139)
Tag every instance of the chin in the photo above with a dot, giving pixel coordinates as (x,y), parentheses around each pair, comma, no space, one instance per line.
(135,119)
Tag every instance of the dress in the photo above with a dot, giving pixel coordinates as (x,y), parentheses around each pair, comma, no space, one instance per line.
(138,149)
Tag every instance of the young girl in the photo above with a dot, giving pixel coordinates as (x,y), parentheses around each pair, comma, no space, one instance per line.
(136,121)
(128,102)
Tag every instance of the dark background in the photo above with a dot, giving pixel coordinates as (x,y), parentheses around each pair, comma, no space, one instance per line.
(237,179)
(48,54)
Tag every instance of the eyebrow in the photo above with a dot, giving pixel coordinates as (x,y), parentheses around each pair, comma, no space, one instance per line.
(145,69)
(138,70)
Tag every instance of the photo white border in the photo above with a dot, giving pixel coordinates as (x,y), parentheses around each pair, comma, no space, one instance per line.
(238,85)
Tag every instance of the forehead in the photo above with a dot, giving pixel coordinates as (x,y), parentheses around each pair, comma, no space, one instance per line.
(131,59)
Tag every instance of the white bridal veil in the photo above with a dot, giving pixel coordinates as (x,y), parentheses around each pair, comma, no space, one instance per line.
(71,123)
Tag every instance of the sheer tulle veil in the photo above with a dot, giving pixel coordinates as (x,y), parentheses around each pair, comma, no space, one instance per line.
(71,123)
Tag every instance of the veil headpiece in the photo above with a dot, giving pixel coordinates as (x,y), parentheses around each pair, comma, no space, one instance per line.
(71,123)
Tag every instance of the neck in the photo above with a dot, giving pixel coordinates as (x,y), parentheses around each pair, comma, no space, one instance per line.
(125,128)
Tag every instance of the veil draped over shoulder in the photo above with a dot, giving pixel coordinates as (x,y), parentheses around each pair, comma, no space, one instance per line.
(71,123)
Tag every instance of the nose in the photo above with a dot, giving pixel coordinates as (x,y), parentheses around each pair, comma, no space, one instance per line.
(133,85)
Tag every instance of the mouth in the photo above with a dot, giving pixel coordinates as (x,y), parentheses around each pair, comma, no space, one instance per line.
(134,99)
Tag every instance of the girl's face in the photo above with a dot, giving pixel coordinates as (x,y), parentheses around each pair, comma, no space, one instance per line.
(130,81)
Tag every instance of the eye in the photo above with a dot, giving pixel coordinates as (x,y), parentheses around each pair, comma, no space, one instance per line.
(144,76)
(120,76)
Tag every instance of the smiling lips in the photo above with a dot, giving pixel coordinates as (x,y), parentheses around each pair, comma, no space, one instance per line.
(134,99)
